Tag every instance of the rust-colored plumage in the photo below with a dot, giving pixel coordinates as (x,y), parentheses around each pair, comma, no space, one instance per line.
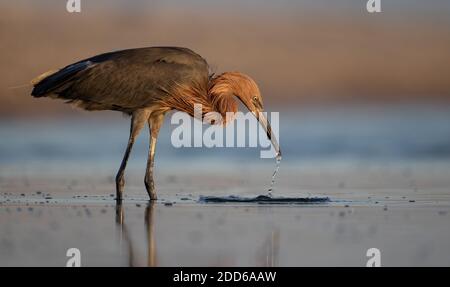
(215,95)
(146,83)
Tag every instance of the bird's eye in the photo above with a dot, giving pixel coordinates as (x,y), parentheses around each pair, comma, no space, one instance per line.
(255,98)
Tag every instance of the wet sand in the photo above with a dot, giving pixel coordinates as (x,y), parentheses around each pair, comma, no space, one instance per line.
(402,209)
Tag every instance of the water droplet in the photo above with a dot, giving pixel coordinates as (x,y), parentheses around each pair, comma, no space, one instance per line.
(277,167)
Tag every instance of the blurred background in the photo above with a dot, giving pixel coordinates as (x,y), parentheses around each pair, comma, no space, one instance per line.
(348,84)
(364,102)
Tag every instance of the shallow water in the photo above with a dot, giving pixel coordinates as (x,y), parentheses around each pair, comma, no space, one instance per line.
(401,209)
(385,178)
(222,235)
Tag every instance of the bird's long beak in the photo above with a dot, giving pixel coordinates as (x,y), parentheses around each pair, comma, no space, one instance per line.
(268,129)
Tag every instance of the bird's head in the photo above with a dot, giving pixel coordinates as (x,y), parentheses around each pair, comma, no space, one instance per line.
(246,90)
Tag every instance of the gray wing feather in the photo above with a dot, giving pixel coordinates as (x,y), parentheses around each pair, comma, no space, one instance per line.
(127,79)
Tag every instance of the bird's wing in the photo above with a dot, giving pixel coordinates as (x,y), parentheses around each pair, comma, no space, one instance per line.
(127,79)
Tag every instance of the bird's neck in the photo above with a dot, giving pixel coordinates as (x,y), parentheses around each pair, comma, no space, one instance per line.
(221,96)
(225,89)
(216,97)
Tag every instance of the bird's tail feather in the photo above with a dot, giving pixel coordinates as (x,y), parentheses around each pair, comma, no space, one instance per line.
(51,81)
(39,78)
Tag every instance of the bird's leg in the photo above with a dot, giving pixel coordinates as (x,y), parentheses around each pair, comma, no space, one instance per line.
(137,122)
(155,121)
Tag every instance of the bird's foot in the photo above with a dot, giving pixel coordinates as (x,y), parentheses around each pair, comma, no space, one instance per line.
(120,183)
(150,186)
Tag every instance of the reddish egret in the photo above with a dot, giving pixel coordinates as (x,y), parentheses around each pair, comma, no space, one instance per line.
(146,83)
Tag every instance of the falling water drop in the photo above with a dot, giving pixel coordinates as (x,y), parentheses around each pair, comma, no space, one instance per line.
(277,167)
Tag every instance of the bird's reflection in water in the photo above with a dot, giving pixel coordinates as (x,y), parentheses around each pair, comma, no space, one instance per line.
(268,252)
(150,230)
(125,241)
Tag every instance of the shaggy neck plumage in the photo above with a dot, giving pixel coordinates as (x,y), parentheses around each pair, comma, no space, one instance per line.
(216,96)
(221,94)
